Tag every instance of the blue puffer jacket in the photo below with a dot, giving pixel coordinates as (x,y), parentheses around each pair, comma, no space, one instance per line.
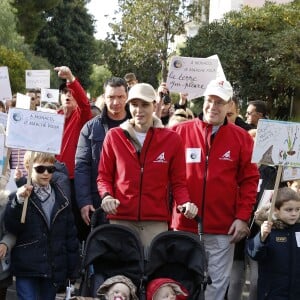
(40,251)
(87,159)
(278,263)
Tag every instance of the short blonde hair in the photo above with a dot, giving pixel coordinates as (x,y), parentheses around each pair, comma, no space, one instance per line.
(40,157)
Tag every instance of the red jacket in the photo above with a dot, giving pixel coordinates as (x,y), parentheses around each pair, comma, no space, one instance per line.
(221,179)
(140,181)
(73,126)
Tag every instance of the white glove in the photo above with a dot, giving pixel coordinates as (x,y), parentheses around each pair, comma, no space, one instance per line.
(189,208)
(110,205)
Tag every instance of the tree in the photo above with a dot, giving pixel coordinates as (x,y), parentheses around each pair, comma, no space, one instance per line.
(99,76)
(30,14)
(148,28)
(17,64)
(67,38)
(259,49)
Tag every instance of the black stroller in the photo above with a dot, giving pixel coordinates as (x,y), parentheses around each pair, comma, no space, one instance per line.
(112,250)
(181,256)
(115,249)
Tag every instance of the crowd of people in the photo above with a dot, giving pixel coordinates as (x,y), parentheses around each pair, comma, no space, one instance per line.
(150,164)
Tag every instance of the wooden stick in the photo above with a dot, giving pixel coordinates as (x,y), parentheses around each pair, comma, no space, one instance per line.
(277,181)
(23,217)
(5,166)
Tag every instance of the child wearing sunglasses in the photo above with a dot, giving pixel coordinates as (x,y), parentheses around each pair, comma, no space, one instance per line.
(46,253)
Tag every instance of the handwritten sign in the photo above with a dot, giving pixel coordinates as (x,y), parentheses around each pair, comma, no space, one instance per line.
(50,95)
(34,130)
(191,75)
(220,73)
(277,143)
(5,90)
(37,79)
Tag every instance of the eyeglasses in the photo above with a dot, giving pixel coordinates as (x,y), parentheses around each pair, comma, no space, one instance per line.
(41,169)
(250,113)
(218,103)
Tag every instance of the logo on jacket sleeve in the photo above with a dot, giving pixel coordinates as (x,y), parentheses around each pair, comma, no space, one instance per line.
(161,158)
(226,156)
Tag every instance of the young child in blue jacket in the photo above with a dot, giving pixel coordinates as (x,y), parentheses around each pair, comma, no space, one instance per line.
(277,249)
(46,253)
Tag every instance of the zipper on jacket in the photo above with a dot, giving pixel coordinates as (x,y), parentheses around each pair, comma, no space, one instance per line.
(142,164)
(207,150)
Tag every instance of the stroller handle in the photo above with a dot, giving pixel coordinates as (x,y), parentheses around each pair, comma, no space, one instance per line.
(198,219)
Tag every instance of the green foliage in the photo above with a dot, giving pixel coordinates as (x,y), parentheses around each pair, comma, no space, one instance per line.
(8,34)
(17,64)
(111,57)
(31,18)
(99,76)
(67,39)
(259,49)
(147,29)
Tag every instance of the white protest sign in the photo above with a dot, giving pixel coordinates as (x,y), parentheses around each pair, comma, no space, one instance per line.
(50,95)
(23,101)
(34,130)
(3,119)
(191,75)
(37,79)
(277,143)
(220,73)
(5,90)
(290,173)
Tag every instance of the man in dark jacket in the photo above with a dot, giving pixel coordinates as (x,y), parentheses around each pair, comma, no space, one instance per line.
(90,144)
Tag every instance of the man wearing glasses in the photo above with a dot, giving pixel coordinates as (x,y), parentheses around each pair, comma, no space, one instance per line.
(221,180)
(256,110)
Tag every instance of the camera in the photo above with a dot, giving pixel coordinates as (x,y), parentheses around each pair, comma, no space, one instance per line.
(165,98)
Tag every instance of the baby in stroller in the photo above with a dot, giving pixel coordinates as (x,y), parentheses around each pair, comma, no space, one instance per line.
(117,287)
(165,289)
(120,287)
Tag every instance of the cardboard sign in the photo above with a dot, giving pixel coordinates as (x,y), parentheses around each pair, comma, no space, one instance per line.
(50,95)
(34,130)
(277,143)
(5,90)
(191,75)
(37,79)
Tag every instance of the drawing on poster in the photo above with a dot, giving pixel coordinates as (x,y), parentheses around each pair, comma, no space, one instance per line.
(277,143)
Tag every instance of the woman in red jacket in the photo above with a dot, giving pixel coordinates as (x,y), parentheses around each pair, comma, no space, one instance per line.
(140,160)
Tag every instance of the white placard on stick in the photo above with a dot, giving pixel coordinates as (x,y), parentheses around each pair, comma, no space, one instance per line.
(37,79)
(191,75)
(5,89)
(277,143)
(34,130)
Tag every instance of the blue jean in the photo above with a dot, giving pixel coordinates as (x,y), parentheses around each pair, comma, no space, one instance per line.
(35,288)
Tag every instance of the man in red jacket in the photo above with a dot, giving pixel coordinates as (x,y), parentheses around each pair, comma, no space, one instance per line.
(221,180)
(139,160)
(77,111)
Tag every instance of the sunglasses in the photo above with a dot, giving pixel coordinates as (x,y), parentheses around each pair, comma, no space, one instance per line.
(42,169)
